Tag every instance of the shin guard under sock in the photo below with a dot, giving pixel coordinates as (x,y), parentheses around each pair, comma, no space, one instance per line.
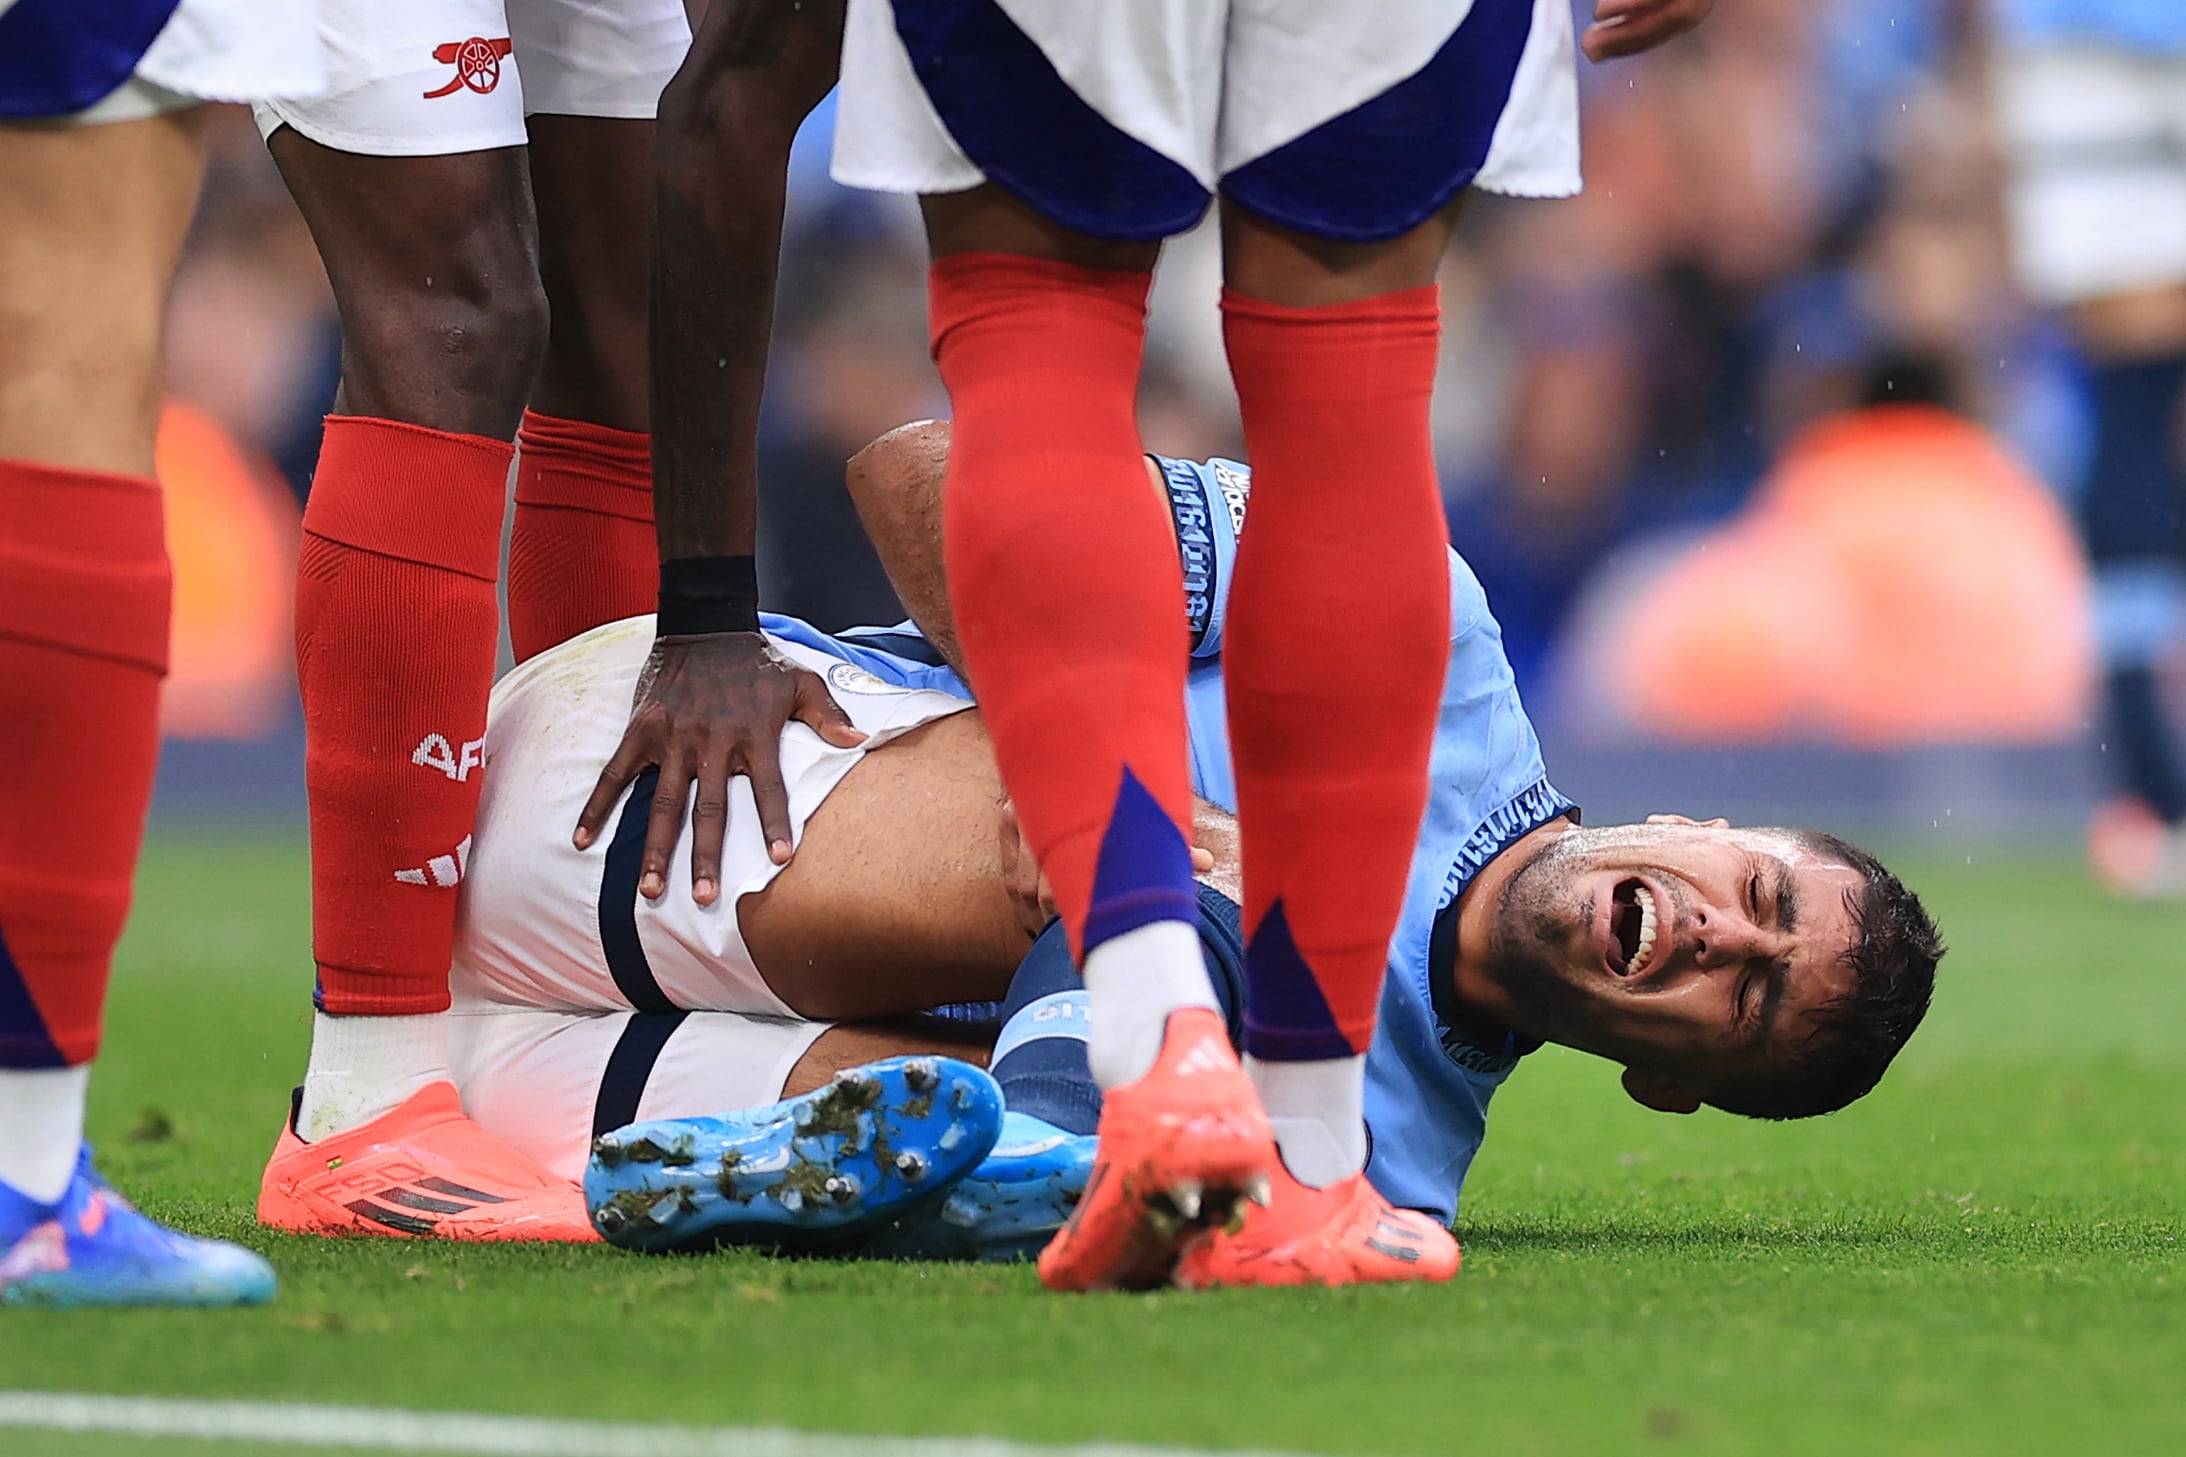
(84,604)
(1345,562)
(581,548)
(396,629)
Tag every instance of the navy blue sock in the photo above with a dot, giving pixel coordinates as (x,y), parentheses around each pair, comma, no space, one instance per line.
(1040,1058)
(2136,498)
(2146,756)
(2134,515)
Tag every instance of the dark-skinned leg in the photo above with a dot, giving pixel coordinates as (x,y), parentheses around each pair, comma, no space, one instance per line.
(434,266)
(592,182)
(1333,349)
(581,549)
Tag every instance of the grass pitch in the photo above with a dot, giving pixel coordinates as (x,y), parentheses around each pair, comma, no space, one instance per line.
(1983,1257)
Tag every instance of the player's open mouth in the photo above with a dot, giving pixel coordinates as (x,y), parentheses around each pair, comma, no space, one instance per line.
(1632,928)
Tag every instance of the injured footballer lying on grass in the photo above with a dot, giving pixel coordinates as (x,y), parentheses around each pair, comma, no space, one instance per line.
(1768,972)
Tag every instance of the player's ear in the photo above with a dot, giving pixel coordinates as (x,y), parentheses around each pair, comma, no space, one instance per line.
(1660,1091)
(1714,824)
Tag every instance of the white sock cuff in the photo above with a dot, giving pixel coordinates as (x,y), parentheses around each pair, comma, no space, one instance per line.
(363,1067)
(41,1128)
(1318,1111)
(1136,980)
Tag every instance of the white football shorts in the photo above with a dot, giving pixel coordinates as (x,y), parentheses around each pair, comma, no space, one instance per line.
(2097,144)
(85,73)
(1122,119)
(542,925)
(548,1083)
(416,78)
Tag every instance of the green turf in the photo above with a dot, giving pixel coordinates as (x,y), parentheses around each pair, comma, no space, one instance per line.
(1981,1258)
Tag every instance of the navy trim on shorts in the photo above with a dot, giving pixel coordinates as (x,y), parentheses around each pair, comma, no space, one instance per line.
(24,1041)
(1019,121)
(630,1066)
(1389,164)
(909,646)
(619,901)
(59,57)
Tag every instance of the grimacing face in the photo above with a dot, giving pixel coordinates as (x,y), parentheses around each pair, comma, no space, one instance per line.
(1691,953)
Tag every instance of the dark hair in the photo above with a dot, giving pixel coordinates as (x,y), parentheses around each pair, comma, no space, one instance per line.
(1853,1037)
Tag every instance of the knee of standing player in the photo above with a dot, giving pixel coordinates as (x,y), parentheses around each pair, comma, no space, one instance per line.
(456,345)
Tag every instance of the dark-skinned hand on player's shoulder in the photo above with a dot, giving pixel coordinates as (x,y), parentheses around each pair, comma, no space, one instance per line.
(1627,27)
(708,708)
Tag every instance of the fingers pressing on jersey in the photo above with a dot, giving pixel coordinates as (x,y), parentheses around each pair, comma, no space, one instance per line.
(663,825)
(710,707)
(772,799)
(1627,27)
(632,757)
(818,711)
(709,826)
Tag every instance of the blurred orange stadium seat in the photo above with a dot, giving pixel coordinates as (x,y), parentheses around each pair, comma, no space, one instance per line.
(232,530)
(1898,579)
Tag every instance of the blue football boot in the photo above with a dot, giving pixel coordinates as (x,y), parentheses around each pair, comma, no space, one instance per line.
(812,1174)
(94,1248)
(1006,1209)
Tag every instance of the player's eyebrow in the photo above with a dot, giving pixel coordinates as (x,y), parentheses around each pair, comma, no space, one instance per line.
(1787,899)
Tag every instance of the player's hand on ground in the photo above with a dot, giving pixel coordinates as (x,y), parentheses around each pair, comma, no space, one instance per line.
(709,708)
(1627,27)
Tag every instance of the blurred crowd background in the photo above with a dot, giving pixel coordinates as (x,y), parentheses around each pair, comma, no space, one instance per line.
(1756,443)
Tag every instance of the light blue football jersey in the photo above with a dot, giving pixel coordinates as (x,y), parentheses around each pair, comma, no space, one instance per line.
(2150,26)
(1427,1087)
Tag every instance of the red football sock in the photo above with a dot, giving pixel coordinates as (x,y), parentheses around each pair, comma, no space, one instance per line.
(1334,652)
(395,635)
(581,550)
(1064,575)
(84,604)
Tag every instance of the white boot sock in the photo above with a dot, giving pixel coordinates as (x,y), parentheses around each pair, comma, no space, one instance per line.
(1318,1110)
(1137,979)
(363,1067)
(41,1128)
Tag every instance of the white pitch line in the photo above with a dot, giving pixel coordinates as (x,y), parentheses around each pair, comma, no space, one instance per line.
(300,1425)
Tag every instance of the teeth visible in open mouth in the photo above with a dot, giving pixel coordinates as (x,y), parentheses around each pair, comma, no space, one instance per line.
(1646,947)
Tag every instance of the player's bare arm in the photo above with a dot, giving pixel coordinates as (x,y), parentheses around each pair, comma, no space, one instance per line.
(1627,27)
(713,702)
(896,484)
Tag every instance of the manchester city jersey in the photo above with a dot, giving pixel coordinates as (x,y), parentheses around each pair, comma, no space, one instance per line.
(1427,1087)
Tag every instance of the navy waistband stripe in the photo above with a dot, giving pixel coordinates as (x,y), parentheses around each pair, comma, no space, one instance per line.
(630,1067)
(619,901)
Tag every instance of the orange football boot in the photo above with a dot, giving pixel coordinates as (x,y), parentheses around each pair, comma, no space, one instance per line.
(1345,1234)
(423,1171)
(1178,1152)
